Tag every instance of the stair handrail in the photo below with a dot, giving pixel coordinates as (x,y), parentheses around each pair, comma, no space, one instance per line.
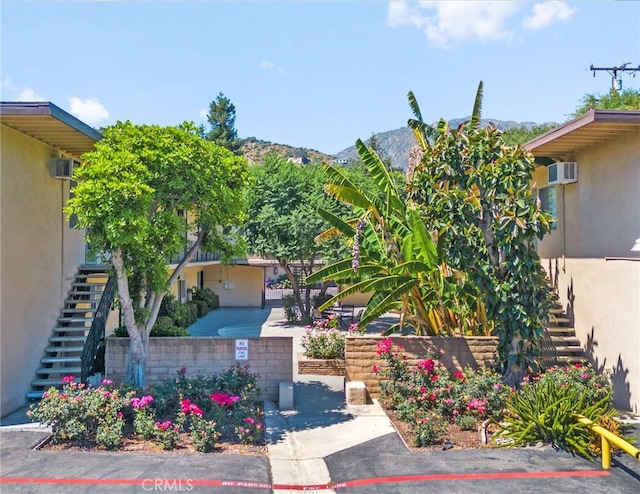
(97,331)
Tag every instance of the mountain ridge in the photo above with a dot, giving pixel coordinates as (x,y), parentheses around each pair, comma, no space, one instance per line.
(393,144)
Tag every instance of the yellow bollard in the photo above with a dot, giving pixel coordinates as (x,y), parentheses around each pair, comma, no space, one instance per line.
(606,452)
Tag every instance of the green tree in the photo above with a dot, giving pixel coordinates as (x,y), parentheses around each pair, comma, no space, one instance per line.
(283,219)
(133,193)
(222,118)
(475,194)
(628,99)
(392,255)
(524,133)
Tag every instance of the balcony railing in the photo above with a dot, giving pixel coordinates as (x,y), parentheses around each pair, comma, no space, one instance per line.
(199,257)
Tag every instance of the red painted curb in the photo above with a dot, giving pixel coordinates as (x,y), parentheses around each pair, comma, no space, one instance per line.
(446,477)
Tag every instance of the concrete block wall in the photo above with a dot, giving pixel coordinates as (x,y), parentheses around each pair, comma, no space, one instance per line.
(270,357)
(454,353)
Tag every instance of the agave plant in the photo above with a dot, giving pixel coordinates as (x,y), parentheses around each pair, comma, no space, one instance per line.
(394,256)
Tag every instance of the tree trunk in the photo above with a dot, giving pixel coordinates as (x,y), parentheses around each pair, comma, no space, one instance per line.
(513,372)
(137,357)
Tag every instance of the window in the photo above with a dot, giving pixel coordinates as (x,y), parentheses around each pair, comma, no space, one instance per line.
(182,290)
(548,201)
(200,280)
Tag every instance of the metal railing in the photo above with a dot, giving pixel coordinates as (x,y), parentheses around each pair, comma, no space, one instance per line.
(97,331)
(608,438)
(199,257)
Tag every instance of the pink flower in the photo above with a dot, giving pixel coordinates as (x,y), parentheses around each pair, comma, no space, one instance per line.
(434,377)
(164,425)
(384,346)
(249,420)
(68,379)
(458,375)
(140,403)
(585,375)
(120,415)
(577,365)
(375,369)
(223,399)
(427,365)
(183,370)
(106,382)
(187,407)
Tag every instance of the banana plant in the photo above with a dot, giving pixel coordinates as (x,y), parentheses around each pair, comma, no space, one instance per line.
(394,256)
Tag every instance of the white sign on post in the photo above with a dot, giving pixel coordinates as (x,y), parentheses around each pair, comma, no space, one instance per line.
(242,349)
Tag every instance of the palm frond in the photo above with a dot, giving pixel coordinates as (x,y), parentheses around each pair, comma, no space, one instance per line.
(477,109)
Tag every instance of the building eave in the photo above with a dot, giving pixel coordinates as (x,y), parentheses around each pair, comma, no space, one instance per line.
(594,127)
(50,124)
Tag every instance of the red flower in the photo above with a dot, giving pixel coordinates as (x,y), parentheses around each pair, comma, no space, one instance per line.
(458,375)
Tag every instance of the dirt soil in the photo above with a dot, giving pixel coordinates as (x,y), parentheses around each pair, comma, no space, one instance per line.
(456,438)
(136,445)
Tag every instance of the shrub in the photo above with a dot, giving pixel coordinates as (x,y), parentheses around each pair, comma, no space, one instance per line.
(203,308)
(205,295)
(291,310)
(545,408)
(429,397)
(324,340)
(80,413)
(193,313)
(205,408)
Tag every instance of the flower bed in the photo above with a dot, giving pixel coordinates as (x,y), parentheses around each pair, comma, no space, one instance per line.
(185,413)
(431,406)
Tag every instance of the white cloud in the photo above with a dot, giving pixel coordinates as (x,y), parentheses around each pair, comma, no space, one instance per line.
(89,110)
(28,94)
(446,22)
(267,65)
(547,13)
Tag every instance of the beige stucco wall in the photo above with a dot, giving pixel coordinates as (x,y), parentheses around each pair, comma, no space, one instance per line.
(39,255)
(236,285)
(599,216)
(605,296)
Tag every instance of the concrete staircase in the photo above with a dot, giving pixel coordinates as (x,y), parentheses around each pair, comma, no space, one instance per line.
(567,346)
(63,357)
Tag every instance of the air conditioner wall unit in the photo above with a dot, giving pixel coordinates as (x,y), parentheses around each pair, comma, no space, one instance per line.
(562,172)
(62,168)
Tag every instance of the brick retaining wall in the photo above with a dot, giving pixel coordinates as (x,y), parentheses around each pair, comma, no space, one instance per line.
(455,354)
(321,367)
(270,357)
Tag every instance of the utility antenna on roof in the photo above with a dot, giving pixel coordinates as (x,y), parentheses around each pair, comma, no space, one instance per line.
(616,81)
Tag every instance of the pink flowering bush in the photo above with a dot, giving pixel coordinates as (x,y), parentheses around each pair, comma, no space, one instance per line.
(81,413)
(325,340)
(202,408)
(429,397)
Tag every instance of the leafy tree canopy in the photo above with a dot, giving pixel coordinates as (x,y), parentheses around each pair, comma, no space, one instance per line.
(146,194)
(283,220)
(628,99)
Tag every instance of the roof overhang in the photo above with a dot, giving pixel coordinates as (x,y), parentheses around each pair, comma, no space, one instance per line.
(594,127)
(50,124)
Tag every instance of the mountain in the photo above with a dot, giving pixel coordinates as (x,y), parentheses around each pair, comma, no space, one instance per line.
(254,150)
(396,144)
(393,144)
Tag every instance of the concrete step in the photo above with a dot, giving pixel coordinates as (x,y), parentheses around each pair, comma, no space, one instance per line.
(64,349)
(560,321)
(67,339)
(50,382)
(83,283)
(565,340)
(71,329)
(60,360)
(73,320)
(84,310)
(559,331)
(571,350)
(59,371)
(571,359)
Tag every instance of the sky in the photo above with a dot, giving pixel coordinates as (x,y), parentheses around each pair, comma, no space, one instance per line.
(314,74)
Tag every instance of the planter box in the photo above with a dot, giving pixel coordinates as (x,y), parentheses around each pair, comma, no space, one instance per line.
(321,367)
